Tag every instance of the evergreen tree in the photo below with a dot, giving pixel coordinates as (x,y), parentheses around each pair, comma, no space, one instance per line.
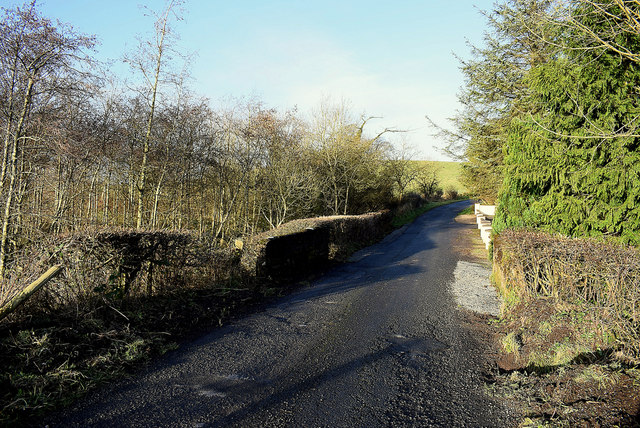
(572,166)
(495,89)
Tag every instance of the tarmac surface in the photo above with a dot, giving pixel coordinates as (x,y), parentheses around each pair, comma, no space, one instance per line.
(375,342)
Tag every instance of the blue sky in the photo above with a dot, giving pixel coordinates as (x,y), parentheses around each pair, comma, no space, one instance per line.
(386,58)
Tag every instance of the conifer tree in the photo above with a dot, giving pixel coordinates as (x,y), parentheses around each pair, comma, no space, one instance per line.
(571,165)
(494,90)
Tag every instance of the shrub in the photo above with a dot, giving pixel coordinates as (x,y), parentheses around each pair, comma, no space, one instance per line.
(437,194)
(450,194)
(413,199)
(603,276)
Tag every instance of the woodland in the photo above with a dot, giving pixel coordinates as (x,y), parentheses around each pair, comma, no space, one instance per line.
(85,151)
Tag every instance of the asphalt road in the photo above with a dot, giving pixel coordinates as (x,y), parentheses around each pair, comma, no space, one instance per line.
(375,342)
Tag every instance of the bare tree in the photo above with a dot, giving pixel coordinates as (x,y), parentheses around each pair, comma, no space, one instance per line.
(286,184)
(37,60)
(150,61)
(401,168)
(347,162)
(427,181)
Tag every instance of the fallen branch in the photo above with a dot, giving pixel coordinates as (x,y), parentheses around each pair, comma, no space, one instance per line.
(27,292)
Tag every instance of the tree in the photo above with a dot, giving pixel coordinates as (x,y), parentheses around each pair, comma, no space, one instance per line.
(150,62)
(349,166)
(401,168)
(38,61)
(287,186)
(605,25)
(570,165)
(495,90)
(427,181)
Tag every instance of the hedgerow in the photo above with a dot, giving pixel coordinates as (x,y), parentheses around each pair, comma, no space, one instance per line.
(603,277)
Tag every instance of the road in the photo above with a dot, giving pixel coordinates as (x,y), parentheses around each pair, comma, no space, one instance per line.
(375,342)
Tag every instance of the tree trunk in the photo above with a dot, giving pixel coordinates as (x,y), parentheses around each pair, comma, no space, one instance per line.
(13,173)
(147,139)
(154,214)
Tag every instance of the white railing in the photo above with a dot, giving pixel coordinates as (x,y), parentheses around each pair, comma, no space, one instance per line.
(484,216)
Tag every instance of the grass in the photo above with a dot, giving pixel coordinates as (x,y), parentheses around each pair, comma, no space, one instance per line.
(448,174)
(511,344)
(50,361)
(554,371)
(467,211)
(602,376)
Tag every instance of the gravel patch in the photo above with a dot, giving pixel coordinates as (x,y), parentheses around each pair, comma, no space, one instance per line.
(473,290)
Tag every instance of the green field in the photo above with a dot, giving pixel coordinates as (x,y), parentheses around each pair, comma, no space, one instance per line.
(448,174)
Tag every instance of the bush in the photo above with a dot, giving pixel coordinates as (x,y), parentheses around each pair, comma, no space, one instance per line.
(603,276)
(437,194)
(450,194)
(413,199)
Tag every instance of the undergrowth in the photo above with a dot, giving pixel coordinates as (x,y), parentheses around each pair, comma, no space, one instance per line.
(599,278)
(569,329)
(50,360)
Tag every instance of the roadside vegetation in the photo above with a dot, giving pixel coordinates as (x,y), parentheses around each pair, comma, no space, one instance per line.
(126,297)
(549,132)
(145,200)
(570,330)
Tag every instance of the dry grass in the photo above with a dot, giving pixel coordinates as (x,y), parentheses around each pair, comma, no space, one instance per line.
(123,296)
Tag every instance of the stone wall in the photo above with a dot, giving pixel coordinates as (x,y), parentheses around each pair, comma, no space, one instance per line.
(300,247)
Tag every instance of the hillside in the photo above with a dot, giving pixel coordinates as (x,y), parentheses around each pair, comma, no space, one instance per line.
(448,174)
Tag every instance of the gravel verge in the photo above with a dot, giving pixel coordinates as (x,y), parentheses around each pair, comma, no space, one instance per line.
(473,290)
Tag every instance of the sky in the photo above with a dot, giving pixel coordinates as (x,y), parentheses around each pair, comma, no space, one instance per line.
(388,59)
